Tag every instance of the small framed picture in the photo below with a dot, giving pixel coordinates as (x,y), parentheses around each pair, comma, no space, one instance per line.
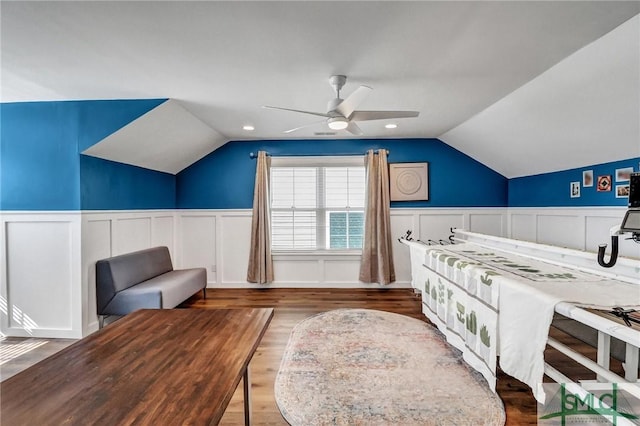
(575,189)
(622,191)
(604,183)
(587,178)
(623,175)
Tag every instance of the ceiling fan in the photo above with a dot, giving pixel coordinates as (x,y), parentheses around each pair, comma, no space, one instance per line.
(341,113)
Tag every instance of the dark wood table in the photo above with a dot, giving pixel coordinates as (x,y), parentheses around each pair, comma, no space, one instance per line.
(165,366)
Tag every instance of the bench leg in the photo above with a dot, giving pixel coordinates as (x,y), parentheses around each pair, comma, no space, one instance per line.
(204,292)
(100,321)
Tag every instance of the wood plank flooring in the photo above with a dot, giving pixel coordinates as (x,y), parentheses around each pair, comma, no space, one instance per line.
(151,368)
(294,305)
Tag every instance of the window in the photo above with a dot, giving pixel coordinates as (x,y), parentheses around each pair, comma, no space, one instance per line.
(317,203)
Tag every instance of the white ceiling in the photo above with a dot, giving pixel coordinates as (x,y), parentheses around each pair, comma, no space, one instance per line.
(566,117)
(464,65)
(168,139)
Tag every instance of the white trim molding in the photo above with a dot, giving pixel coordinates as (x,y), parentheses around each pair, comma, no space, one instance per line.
(48,258)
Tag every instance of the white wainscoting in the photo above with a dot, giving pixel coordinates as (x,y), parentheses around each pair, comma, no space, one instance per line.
(581,228)
(110,233)
(47,286)
(435,224)
(220,239)
(40,284)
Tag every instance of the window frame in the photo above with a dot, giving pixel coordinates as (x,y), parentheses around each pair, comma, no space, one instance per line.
(322,213)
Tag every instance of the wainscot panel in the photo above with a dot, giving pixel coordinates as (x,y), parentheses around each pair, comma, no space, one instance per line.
(523,227)
(163,232)
(437,226)
(198,243)
(487,223)
(234,246)
(231,240)
(401,222)
(96,245)
(562,230)
(582,228)
(40,287)
(336,269)
(114,232)
(131,234)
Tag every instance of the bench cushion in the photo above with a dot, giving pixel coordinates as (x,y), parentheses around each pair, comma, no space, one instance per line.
(162,292)
(121,272)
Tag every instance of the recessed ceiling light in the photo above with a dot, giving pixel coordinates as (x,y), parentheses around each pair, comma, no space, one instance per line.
(248,128)
(390,126)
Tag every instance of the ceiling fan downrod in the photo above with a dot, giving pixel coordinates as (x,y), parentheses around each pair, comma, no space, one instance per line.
(337,81)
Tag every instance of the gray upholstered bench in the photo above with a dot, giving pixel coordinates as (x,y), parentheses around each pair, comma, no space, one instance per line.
(144,279)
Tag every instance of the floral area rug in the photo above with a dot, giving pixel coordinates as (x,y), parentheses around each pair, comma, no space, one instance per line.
(367,367)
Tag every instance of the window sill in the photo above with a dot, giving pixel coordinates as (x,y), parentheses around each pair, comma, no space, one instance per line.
(316,254)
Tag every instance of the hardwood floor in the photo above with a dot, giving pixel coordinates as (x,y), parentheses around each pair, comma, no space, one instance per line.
(294,305)
(291,306)
(152,367)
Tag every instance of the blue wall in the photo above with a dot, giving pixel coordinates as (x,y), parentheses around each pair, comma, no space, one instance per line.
(107,185)
(224,179)
(40,142)
(39,156)
(553,189)
(41,167)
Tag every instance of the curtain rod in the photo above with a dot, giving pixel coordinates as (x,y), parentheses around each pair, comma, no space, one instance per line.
(254,155)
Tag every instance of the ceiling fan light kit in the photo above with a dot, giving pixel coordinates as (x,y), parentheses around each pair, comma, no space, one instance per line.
(341,113)
(338,123)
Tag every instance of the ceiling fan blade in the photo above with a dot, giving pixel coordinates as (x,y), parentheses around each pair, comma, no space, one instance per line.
(321,114)
(382,115)
(304,127)
(354,129)
(346,107)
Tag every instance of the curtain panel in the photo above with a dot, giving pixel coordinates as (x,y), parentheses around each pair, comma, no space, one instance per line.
(377,256)
(260,268)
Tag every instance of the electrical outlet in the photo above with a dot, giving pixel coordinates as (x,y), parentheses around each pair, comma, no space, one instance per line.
(213,268)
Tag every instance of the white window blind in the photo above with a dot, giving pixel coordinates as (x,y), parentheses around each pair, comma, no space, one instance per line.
(317,203)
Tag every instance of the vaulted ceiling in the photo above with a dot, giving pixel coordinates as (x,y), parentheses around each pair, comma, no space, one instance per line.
(524,87)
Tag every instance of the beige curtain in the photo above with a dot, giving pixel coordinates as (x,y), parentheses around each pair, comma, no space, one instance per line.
(260,262)
(377,258)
